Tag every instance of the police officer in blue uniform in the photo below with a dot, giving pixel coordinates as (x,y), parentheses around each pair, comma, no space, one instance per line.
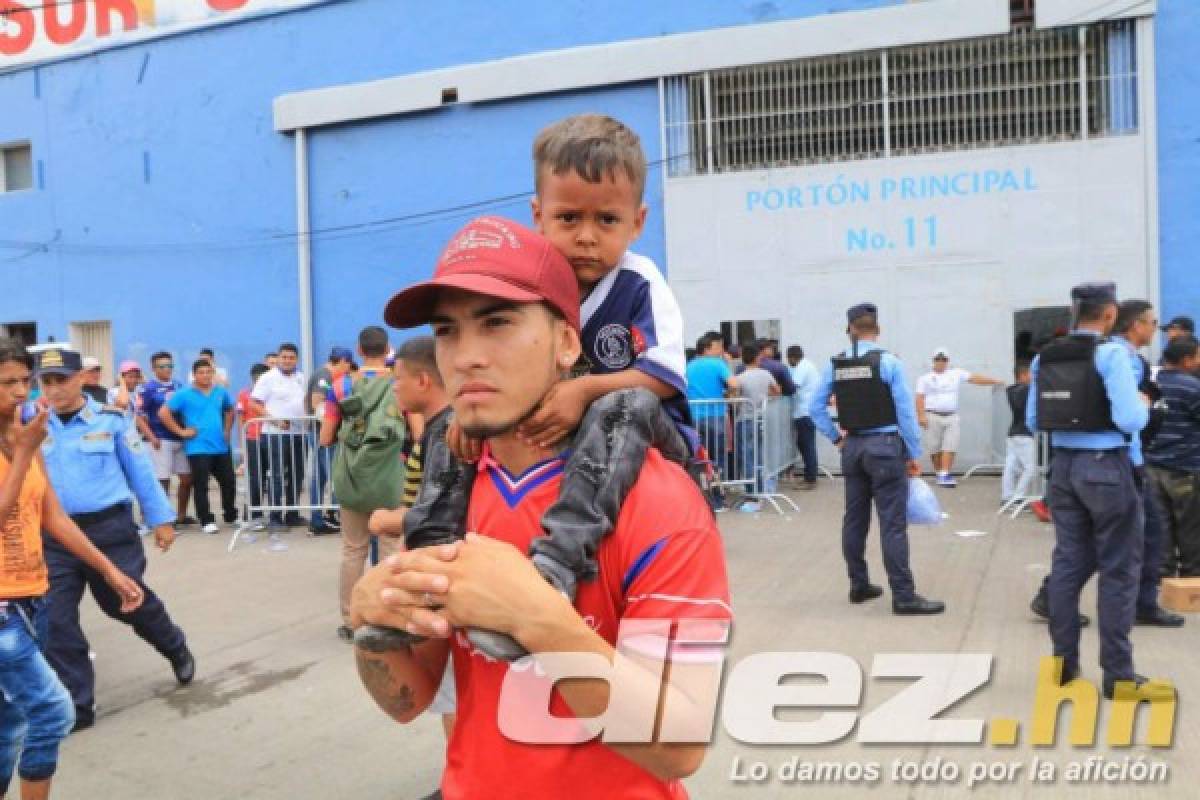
(1135,328)
(880,449)
(96,462)
(1085,394)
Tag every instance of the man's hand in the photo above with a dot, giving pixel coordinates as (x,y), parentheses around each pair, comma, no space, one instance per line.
(402,591)
(126,588)
(462,446)
(28,437)
(164,537)
(914,468)
(155,442)
(557,415)
(923,420)
(387,522)
(188,433)
(495,586)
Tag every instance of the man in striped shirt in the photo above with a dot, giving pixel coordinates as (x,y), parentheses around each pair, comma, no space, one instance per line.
(1174,456)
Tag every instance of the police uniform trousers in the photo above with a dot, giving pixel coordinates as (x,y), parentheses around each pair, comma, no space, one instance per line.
(1098,524)
(1153,543)
(1153,546)
(114,533)
(873,468)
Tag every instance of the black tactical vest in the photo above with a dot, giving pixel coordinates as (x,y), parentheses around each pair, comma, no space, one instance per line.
(1070,392)
(863,399)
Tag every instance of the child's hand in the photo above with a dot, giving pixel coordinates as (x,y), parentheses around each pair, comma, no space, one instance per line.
(462,446)
(559,413)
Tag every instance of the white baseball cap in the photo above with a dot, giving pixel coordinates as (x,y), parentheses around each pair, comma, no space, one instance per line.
(941,352)
(91,362)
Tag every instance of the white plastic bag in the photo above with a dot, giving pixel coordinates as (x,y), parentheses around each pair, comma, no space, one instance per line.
(923,505)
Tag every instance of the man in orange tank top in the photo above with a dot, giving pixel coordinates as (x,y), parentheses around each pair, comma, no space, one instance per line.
(36,712)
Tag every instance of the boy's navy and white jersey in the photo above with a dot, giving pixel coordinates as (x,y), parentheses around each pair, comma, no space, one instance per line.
(631,320)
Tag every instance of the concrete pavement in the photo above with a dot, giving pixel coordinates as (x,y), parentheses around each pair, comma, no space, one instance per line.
(277,711)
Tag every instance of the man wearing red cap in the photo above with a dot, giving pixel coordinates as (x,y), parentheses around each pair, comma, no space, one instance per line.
(504,307)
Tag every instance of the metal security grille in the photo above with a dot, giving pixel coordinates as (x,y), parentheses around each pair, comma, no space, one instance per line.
(1023,87)
(1112,79)
(1017,88)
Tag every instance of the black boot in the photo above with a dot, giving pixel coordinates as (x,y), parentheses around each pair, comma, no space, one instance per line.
(1041,607)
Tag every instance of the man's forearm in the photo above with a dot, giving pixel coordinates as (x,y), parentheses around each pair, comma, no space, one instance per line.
(589,698)
(144,428)
(168,419)
(399,681)
(328,432)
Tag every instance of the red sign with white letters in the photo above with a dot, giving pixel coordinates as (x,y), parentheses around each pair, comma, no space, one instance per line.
(40,30)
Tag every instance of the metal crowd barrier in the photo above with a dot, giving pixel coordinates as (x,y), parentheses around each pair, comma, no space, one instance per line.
(997,435)
(1036,490)
(748,445)
(284,473)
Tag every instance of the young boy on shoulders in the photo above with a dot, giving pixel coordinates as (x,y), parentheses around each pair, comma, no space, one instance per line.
(629,389)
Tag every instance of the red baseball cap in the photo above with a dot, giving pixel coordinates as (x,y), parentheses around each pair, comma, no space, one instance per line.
(496,257)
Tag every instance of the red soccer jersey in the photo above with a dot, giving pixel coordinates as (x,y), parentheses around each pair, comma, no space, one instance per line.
(663,561)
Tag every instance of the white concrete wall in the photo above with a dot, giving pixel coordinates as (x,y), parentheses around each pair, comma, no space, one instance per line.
(1017,228)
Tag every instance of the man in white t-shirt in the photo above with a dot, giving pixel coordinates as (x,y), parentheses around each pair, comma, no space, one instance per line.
(280,394)
(937,411)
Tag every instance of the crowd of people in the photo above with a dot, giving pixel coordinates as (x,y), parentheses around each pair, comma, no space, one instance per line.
(752,373)
(550,413)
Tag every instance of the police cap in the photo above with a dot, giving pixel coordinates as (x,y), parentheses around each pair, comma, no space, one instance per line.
(860,310)
(1185,324)
(1094,293)
(58,361)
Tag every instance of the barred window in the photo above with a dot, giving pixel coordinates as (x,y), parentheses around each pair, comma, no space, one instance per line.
(16,167)
(1023,87)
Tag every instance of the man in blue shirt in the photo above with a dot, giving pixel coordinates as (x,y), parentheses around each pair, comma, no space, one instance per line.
(769,348)
(1173,457)
(1085,394)
(709,380)
(98,465)
(166,449)
(806,379)
(877,434)
(207,412)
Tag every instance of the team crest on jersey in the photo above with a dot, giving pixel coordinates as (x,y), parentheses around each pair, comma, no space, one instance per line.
(615,346)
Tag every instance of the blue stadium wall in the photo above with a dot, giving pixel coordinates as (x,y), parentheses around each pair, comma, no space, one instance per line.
(164,201)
